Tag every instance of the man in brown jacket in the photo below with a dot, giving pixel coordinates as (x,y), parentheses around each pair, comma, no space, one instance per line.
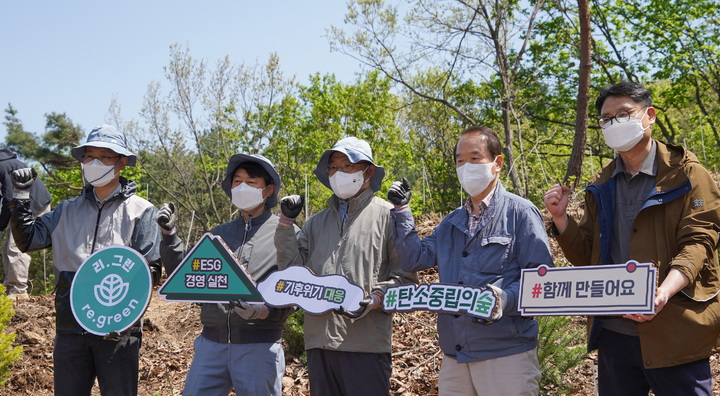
(653,203)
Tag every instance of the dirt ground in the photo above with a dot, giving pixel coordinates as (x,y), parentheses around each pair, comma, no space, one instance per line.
(171,327)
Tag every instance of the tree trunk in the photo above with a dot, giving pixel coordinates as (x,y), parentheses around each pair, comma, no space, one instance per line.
(574,170)
(508,151)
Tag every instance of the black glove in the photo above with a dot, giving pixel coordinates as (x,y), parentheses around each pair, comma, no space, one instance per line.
(23,178)
(155,274)
(366,305)
(292,205)
(166,216)
(399,193)
(113,336)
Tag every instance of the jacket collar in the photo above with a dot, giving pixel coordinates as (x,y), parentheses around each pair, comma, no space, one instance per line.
(127,189)
(356,204)
(459,217)
(670,167)
(254,221)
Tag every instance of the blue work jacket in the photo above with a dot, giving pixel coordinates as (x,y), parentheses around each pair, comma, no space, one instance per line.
(510,237)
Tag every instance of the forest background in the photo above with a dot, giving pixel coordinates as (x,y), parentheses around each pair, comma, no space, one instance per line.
(528,69)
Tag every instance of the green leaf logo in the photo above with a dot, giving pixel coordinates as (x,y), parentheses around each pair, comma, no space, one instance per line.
(111,290)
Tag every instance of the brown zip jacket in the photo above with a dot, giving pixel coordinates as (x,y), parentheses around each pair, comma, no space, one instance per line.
(678,228)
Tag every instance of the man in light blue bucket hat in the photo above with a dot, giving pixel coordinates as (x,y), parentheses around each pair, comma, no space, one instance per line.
(348,352)
(107,213)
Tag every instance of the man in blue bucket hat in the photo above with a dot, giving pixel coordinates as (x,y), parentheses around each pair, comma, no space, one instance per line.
(348,352)
(240,345)
(107,213)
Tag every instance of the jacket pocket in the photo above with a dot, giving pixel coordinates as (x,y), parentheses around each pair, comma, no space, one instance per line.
(493,253)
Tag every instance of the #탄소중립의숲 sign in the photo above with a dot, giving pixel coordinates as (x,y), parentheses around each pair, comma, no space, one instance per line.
(111,290)
(591,290)
(440,298)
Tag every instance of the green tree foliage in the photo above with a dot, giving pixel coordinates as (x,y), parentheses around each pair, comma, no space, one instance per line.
(485,42)
(560,348)
(294,335)
(8,353)
(673,49)
(61,173)
(23,143)
(327,111)
(50,151)
(191,131)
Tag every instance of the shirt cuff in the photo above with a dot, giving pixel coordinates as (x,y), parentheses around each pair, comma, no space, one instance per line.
(286,221)
(21,194)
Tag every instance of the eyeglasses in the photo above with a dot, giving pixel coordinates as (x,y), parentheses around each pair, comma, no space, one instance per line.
(106,160)
(620,117)
(344,168)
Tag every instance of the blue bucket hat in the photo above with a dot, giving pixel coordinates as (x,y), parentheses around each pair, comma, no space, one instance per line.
(109,137)
(356,150)
(238,159)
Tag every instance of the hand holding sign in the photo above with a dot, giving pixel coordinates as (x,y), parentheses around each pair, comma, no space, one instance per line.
(249,311)
(500,302)
(367,304)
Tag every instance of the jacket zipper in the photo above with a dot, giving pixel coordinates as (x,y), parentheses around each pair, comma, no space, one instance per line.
(248,227)
(97,225)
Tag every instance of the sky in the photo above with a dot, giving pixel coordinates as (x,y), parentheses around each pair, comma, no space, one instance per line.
(74,57)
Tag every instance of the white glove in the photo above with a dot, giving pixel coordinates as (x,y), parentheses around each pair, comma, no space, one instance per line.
(501,301)
(249,311)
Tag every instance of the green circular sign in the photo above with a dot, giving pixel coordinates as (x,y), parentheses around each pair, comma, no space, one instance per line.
(111,290)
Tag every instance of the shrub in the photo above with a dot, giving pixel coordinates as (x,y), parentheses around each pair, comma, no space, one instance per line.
(561,347)
(293,336)
(8,353)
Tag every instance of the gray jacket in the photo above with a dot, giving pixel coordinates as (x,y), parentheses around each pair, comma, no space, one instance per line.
(79,227)
(364,252)
(252,243)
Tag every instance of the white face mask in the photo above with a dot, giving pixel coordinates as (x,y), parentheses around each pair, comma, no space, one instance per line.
(623,135)
(474,178)
(246,197)
(98,174)
(346,185)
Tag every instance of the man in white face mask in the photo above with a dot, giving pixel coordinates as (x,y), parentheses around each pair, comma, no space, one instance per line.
(485,244)
(238,338)
(653,203)
(107,213)
(348,353)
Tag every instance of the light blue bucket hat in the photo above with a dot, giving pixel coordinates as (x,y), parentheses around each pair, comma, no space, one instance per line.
(109,137)
(238,159)
(356,150)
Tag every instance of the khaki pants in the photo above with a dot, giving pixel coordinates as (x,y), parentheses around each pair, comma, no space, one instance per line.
(16,263)
(514,375)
